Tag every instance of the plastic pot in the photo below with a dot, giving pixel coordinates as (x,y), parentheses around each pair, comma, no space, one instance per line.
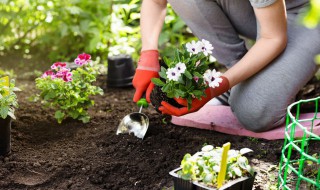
(243,183)
(120,71)
(5,136)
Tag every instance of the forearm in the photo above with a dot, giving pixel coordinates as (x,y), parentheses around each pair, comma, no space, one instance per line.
(272,41)
(153,13)
(259,56)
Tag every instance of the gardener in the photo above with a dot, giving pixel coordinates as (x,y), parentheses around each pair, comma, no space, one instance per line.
(263,80)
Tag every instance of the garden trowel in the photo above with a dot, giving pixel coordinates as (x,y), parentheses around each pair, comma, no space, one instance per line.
(136,122)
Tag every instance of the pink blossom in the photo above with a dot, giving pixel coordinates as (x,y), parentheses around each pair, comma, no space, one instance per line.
(196,78)
(67,77)
(60,72)
(47,73)
(82,59)
(58,65)
(53,77)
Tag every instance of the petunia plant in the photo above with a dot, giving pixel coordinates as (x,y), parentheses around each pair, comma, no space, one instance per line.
(204,166)
(69,92)
(187,74)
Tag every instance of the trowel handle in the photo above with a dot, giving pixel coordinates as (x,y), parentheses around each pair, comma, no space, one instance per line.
(142,103)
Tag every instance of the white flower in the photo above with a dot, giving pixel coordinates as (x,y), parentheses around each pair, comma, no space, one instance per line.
(173,74)
(207,148)
(216,168)
(205,46)
(193,47)
(213,78)
(181,67)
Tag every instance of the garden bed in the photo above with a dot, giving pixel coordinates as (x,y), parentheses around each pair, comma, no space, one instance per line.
(73,155)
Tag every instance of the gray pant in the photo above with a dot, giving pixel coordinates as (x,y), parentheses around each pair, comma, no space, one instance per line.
(260,102)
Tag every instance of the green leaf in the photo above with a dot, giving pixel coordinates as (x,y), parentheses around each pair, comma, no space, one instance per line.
(166,88)
(197,93)
(178,26)
(59,116)
(157,82)
(50,95)
(4,111)
(11,114)
(85,119)
(197,74)
(163,74)
(166,61)
(179,93)
(187,74)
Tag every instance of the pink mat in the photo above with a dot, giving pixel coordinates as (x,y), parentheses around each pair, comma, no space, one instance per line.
(221,119)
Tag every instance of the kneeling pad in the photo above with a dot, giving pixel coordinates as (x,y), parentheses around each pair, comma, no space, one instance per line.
(220,118)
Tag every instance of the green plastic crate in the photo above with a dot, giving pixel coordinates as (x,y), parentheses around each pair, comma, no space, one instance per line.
(299,166)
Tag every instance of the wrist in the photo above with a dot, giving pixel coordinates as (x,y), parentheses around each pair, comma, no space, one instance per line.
(149,52)
(223,87)
(149,60)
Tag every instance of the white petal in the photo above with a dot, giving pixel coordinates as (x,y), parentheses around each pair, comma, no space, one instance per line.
(245,151)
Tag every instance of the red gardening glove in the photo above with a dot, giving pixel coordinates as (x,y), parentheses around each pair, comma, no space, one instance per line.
(148,68)
(196,104)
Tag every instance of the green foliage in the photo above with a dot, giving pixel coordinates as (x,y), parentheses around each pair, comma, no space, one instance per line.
(10,73)
(70,99)
(312,17)
(8,101)
(125,29)
(204,166)
(61,28)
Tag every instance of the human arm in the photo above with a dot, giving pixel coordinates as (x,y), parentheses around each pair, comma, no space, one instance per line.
(153,13)
(272,41)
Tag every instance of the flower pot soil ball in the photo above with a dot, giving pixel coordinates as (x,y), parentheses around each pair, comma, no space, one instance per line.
(157,96)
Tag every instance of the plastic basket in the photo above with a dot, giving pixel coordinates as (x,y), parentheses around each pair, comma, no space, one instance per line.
(299,165)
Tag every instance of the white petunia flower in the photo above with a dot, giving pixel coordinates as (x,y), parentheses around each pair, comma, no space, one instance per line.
(173,74)
(216,168)
(181,67)
(213,78)
(193,47)
(205,47)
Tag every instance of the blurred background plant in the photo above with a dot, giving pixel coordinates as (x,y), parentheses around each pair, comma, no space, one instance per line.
(58,30)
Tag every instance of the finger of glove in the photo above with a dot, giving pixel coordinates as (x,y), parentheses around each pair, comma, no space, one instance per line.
(181,101)
(165,111)
(149,90)
(174,110)
(138,94)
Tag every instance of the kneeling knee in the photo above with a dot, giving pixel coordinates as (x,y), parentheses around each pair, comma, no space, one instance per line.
(258,121)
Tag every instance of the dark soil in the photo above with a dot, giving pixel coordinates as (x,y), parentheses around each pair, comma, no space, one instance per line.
(73,155)
(157,96)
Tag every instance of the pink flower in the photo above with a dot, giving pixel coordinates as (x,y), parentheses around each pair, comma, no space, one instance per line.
(82,59)
(58,65)
(67,77)
(53,77)
(48,73)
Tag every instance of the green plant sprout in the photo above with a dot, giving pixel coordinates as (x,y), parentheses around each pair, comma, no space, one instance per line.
(204,166)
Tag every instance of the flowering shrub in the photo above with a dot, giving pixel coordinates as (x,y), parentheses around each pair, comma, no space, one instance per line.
(8,99)
(187,74)
(204,166)
(68,92)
